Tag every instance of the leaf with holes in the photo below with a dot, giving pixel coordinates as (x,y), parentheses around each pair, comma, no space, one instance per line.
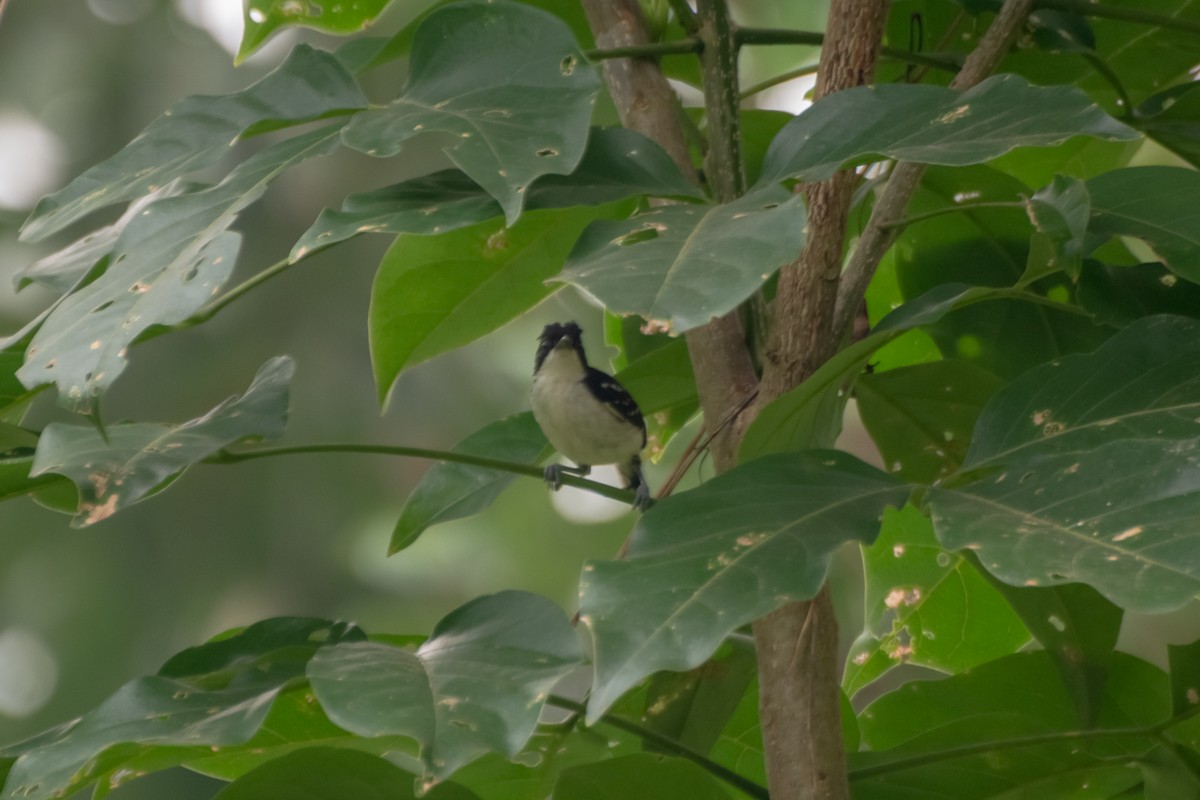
(451,491)
(1087,469)
(197,132)
(683,265)
(138,458)
(434,294)
(925,606)
(704,562)
(1118,296)
(1158,205)
(516,112)
(476,686)
(263,17)
(933,125)
(617,164)
(165,266)
(920,417)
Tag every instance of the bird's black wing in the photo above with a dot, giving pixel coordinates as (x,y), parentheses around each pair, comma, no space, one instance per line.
(610,392)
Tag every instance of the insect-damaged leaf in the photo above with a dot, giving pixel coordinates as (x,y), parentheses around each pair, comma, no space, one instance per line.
(1087,469)
(704,562)
(140,457)
(933,125)
(197,132)
(166,264)
(684,265)
(516,112)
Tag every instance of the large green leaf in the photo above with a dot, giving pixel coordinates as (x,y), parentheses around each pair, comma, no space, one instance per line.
(434,294)
(516,112)
(1158,205)
(263,17)
(1172,118)
(451,491)
(933,125)
(1118,295)
(704,562)
(15,480)
(915,731)
(920,417)
(149,711)
(638,777)
(128,462)
(683,265)
(475,686)
(197,131)
(165,265)
(1084,470)
(927,607)
(618,163)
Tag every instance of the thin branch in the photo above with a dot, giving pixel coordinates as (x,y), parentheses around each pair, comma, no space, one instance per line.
(1124,13)
(602,489)
(782,77)
(770,36)
(876,239)
(939,212)
(649,736)
(649,50)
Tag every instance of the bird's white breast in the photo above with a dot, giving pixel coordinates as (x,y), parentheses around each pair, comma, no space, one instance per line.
(578,425)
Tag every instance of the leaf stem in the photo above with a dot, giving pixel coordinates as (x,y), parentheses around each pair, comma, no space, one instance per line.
(651,50)
(938,212)
(783,77)
(603,489)
(685,15)
(1123,13)
(1105,71)
(210,310)
(742,784)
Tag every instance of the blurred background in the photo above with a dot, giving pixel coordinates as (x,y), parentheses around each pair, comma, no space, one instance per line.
(81,612)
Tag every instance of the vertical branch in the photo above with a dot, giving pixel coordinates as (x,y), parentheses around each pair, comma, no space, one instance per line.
(878,236)
(797,645)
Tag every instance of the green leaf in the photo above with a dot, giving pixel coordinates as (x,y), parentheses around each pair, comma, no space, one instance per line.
(920,417)
(322,773)
(1077,626)
(1154,204)
(62,270)
(452,491)
(933,125)
(165,266)
(434,294)
(1061,212)
(810,415)
(664,386)
(680,266)
(516,112)
(138,458)
(1185,677)
(197,132)
(1172,118)
(15,480)
(704,562)
(1082,470)
(263,17)
(986,247)
(476,686)
(925,606)
(617,164)
(146,711)
(638,777)
(1118,295)
(916,730)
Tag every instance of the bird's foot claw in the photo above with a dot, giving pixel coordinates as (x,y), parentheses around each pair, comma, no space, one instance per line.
(553,476)
(641,497)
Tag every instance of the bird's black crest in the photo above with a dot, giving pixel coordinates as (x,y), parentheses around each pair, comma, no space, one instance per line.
(550,336)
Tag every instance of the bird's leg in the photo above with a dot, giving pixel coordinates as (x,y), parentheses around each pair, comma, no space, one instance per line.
(636,480)
(553,474)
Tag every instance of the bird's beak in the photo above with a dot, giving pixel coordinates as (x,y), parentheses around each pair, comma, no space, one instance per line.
(563,344)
